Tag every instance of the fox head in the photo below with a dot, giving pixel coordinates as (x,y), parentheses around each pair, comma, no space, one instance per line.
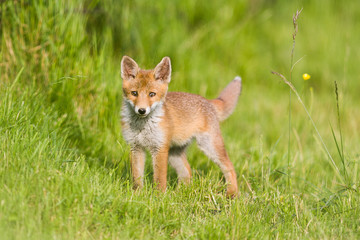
(144,90)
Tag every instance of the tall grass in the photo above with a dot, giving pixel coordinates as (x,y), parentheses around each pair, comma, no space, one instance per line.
(64,167)
(343,176)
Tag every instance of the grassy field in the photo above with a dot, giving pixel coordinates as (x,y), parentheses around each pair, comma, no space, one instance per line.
(64,166)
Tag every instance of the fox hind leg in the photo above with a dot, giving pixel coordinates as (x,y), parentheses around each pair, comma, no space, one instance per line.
(212,144)
(177,159)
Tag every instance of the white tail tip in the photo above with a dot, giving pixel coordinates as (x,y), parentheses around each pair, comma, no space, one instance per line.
(237,78)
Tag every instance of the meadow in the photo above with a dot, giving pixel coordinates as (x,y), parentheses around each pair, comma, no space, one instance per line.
(65,168)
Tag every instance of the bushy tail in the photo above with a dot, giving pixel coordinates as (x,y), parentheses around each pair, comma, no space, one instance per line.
(227,100)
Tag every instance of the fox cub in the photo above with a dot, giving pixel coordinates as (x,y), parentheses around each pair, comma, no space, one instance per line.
(165,123)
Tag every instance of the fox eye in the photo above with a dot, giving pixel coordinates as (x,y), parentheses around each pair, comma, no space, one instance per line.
(134,93)
(152,94)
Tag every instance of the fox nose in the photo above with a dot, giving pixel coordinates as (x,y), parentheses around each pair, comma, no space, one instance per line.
(142,111)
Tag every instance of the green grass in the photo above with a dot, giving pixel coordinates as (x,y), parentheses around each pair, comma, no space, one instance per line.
(64,166)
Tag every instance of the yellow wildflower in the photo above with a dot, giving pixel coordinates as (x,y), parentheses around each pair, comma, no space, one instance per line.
(306,76)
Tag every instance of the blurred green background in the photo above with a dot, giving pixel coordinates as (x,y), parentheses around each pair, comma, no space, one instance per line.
(64,169)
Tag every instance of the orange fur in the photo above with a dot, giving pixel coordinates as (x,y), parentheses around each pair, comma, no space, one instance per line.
(165,123)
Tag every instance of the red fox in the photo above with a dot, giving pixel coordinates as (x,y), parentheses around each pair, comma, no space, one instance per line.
(165,123)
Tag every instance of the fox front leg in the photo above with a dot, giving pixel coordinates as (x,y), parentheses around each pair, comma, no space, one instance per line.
(137,158)
(160,163)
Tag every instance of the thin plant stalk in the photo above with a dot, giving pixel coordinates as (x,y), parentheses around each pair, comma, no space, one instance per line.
(295,18)
(338,115)
(341,147)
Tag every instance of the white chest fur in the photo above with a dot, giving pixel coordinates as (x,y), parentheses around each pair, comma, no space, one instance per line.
(142,132)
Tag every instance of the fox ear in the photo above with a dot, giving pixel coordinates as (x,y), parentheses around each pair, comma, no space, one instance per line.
(162,71)
(129,68)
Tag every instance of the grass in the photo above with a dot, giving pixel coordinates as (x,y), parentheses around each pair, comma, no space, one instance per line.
(64,166)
